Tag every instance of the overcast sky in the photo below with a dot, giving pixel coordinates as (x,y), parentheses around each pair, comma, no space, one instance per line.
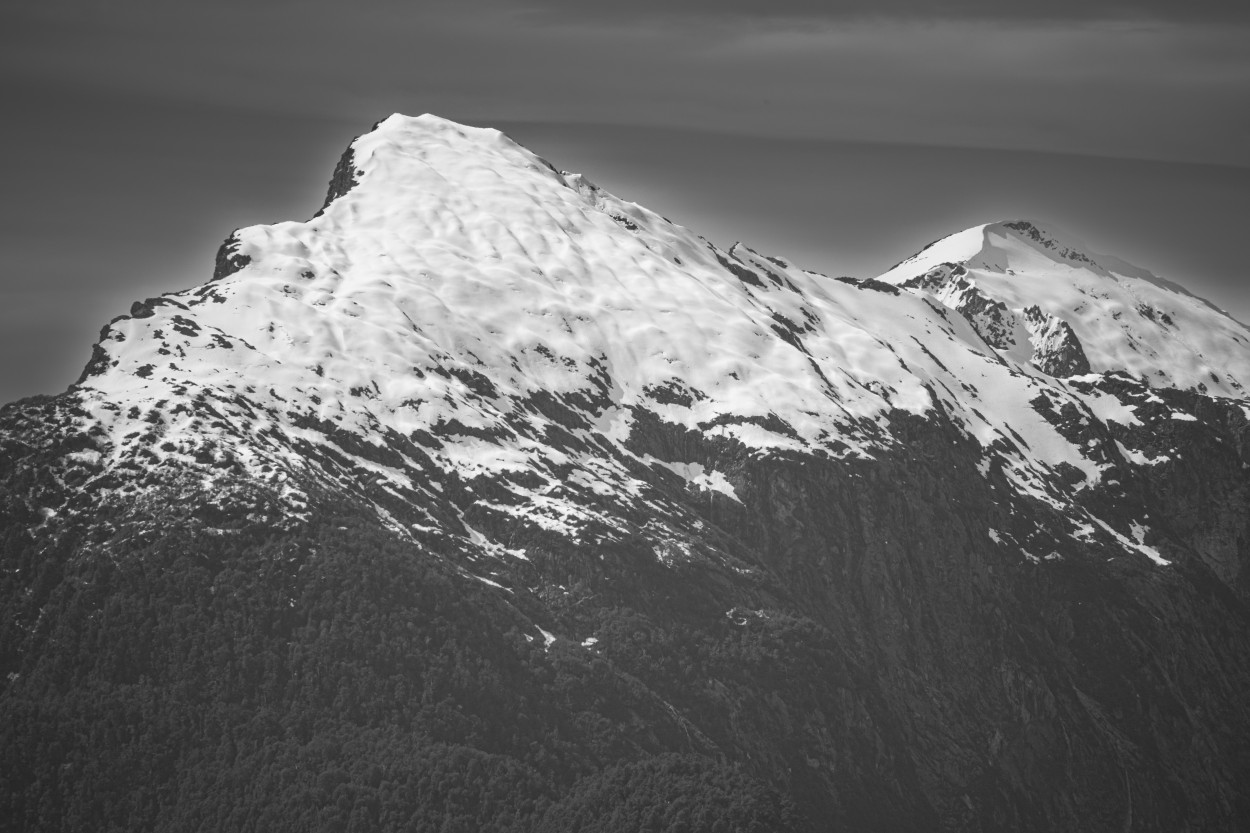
(138,133)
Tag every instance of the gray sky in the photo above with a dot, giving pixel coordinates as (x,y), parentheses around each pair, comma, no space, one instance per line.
(138,133)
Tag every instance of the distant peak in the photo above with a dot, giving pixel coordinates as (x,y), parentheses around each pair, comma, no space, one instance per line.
(1005,245)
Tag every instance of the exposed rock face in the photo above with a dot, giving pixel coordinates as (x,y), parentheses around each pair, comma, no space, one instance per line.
(1048,241)
(229,260)
(992,320)
(489,499)
(343,179)
(1056,349)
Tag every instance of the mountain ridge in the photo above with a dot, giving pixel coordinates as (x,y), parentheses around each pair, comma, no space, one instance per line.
(736,345)
(970,555)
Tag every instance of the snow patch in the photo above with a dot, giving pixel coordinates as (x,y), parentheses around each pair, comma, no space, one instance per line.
(548,637)
(697,476)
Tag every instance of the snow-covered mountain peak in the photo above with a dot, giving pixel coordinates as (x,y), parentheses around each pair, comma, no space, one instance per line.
(1008,246)
(1040,239)
(398,146)
(481,439)
(1123,317)
(461,314)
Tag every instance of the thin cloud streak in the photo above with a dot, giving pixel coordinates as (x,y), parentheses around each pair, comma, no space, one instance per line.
(923,10)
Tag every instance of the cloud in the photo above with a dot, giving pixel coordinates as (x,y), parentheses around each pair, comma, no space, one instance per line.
(924,10)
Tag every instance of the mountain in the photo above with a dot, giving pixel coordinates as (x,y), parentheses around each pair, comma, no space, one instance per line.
(486,500)
(1028,290)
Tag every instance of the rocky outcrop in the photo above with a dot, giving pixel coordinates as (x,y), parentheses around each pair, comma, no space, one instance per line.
(991,318)
(1056,349)
(342,180)
(1047,241)
(229,260)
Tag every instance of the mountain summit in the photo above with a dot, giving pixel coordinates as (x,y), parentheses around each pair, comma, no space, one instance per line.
(944,549)
(1124,318)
